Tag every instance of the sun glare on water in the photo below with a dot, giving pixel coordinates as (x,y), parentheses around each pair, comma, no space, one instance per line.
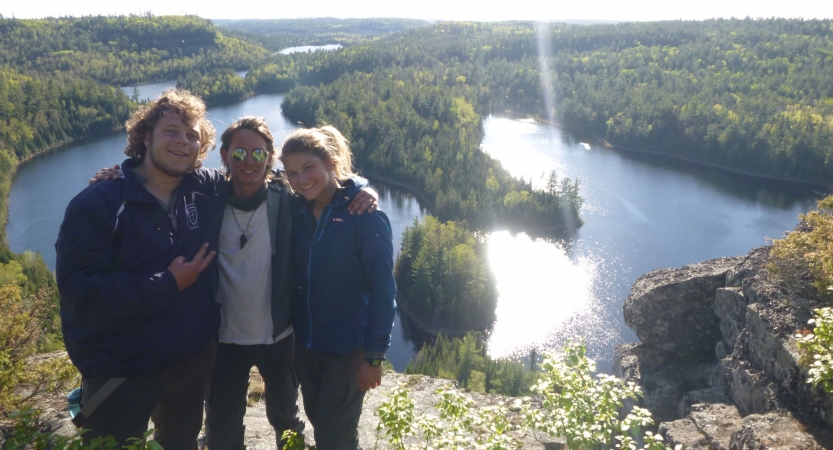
(534,276)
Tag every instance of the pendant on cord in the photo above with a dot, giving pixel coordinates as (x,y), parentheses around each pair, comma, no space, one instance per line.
(243,240)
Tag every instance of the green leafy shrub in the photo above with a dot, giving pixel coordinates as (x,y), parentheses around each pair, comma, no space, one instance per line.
(808,252)
(457,427)
(817,349)
(574,403)
(583,409)
(20,331)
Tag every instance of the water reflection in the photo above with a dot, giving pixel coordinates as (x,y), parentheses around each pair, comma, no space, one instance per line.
(534,276)
(309,48)
(641,213)
(401,208)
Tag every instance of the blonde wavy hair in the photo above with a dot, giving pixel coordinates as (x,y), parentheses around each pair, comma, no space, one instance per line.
(322,142)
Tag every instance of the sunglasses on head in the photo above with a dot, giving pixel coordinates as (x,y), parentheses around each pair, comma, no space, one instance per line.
(258,155)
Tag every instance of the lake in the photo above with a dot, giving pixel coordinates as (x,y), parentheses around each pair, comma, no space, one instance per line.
(641,213)
(310,48)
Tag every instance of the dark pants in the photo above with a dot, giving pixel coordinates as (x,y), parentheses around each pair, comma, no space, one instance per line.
(227,398)
(332,398)
(172,398)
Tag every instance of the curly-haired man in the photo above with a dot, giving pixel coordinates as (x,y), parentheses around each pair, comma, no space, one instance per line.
(137,312)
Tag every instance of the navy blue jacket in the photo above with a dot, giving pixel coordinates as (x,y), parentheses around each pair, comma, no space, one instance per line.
(121,311)
(344,272)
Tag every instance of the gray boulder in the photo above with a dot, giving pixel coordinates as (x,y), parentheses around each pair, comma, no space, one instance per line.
(773,431)
(730,308)
(710,426)
(673,309)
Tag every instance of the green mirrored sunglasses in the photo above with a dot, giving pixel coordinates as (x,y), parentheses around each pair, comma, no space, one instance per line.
(258,155)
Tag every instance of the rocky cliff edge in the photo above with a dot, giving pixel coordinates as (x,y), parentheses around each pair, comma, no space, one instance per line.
(717,360)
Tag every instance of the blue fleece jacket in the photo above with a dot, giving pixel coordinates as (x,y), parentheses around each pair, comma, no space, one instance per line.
(121,311)
(344,272)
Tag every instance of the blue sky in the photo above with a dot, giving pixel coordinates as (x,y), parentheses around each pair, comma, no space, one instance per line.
(481,10)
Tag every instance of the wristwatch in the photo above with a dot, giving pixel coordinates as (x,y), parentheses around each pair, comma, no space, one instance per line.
(374,362)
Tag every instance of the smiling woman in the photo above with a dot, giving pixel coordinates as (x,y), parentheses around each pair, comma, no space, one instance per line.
(344,307)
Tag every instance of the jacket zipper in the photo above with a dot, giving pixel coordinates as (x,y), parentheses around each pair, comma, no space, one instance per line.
(319,231)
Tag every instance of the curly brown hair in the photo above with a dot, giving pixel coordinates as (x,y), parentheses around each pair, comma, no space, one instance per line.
(179,101)
(259,126)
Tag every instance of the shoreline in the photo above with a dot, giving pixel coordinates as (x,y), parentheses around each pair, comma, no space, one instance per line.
(424,201)
(605,143)
(4,220)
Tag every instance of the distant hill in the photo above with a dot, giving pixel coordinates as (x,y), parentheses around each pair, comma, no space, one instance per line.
(277,34)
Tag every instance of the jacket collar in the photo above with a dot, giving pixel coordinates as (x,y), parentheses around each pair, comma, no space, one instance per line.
(345,193)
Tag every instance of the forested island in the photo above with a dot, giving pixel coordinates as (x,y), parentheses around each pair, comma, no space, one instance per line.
(748,95)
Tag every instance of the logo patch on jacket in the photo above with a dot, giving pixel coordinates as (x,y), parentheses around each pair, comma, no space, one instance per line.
(191,211)
(338,219)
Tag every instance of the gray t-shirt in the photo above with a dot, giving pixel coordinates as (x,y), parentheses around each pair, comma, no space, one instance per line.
(246,278)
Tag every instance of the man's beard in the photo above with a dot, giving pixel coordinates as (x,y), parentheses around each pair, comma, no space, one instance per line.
(162,165)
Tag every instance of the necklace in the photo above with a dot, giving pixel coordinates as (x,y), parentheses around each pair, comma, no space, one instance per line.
(243,238)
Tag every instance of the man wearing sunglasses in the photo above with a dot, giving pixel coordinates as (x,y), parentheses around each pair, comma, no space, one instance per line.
(256,289)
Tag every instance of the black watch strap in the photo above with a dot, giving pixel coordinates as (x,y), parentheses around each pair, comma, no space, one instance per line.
(374,362)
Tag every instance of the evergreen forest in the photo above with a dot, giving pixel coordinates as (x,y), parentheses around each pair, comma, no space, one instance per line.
(443,278)
(466,360)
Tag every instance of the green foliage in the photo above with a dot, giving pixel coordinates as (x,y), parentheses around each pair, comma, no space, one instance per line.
(396,417)
(410,117)
(817,349)
(124,49)
(443,277)
(466,360)
(458,426)
(293,441)
(584,409)
(807,251)
(21,327)
(572,403)
(217,86)
(28,434)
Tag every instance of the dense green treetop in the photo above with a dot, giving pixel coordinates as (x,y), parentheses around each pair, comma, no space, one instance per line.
(122,50)
(466,360)
(443,278)
(751,95)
